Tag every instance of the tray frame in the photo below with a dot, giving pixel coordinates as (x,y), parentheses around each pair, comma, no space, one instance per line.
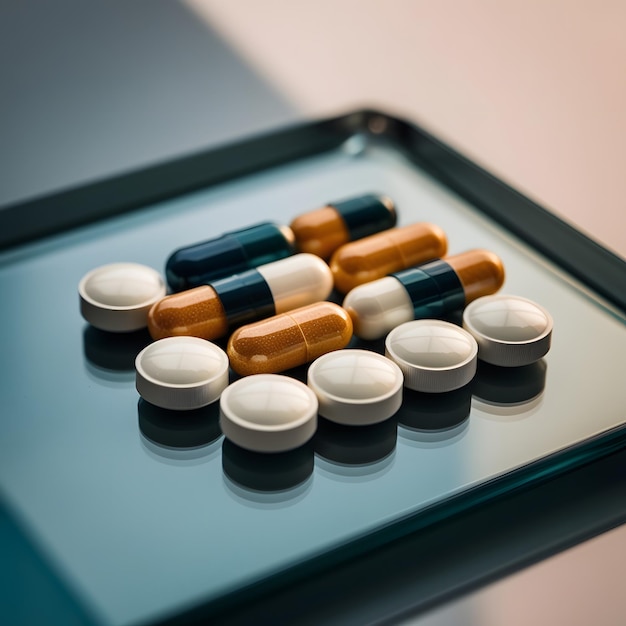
(597,268)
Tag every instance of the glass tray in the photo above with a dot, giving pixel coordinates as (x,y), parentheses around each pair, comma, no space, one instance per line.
(144,513)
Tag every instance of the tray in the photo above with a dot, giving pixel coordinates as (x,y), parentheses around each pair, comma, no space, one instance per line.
(144,514)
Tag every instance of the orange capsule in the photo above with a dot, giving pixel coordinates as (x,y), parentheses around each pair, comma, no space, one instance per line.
(284,341)
(379,255)
(322,231)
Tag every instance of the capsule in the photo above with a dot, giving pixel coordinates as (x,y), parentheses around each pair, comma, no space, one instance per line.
(228,254)
(284,341)
(379,255)
(210,311)
(322,231)
(430,290)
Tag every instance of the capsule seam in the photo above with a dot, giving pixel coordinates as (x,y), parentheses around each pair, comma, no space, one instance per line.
(304,339)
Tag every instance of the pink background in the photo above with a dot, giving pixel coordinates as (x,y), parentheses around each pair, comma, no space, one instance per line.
(534,91)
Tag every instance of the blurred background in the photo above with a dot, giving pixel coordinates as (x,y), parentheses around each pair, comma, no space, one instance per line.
(533,91)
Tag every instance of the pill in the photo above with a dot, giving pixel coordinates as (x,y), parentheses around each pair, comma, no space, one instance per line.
(268,413)
(434,356)
(511,331)
(284,341)
(381,254)
(427,291)
(231,253)
(356,387)
(181,373)
(118,296)
(322,231)
(210,311)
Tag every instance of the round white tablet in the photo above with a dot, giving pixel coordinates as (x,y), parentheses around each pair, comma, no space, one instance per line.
(434,356)
(268,413)
(117,297)
(356,387)
(511,331)
(181,373)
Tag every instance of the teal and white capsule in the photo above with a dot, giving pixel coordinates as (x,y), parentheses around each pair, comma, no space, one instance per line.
(228,254)
(430,290)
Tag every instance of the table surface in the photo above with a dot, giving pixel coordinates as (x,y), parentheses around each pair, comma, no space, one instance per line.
(546,117)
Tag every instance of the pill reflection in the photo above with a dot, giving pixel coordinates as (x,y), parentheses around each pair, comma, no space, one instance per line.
(113,351)
(267,472)
(349,445)
(166,427)
(435,411)
(510,385)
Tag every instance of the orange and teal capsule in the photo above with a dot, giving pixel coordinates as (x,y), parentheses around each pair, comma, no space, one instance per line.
(431,290)
(322,231)
(211,311)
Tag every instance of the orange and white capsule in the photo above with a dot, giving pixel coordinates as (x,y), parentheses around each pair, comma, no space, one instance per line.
(430,290)
(381,254)
(284,341)
(210,311)
(322,231)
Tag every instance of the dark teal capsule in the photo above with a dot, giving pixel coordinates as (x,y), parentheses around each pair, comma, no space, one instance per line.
(228,254)
(434,289)
(366,215)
